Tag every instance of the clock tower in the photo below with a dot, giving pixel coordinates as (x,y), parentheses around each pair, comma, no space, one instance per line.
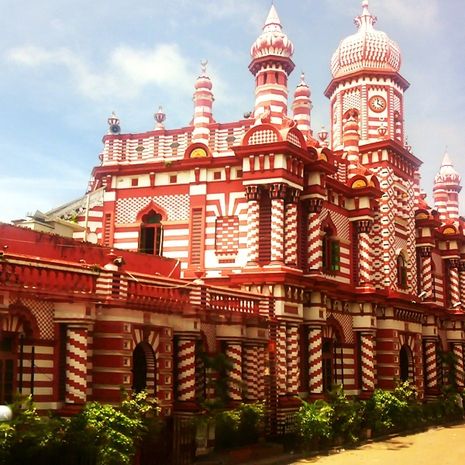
(366,84)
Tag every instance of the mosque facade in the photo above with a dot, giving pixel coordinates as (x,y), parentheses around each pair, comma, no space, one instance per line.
(309,259)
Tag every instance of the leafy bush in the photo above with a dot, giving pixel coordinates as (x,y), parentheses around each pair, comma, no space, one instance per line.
(100,434)
(240,426)
(314,421)
(347,415)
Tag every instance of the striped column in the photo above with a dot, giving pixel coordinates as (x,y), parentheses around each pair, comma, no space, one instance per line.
(290,228)
(459,373)
(315,361)
(253,220)
(234,354)
(281,360)
(367,361)
(251,375)
(431,371)
(462,282)
(261,367)
(292,359)
(314,251)
(426,272)
(76,365)
(454,283)
(365,255)
(277,192)
(186,370)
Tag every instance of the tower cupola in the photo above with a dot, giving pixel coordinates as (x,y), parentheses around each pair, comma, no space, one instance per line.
(271,65)
(302,107)
(367,49)
(446,190)
(366,79)
(203,106)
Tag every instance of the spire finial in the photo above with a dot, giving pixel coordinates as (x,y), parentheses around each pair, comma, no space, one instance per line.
(203,66)
(366,20)
(302,79)
(272,21)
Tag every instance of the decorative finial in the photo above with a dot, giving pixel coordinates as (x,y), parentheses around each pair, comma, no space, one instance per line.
(203,67)
(302,79)
(160,118)
(113,124)
(366,20)
(323,136)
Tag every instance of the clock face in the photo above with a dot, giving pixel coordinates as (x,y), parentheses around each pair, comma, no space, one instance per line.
(377,103)
(198,153)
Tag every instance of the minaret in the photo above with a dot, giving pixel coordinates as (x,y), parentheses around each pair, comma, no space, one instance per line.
(366,78)
(203,104)
(271,65)
(302,107)
(446,190)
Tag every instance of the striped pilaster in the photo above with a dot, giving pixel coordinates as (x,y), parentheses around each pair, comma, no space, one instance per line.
(292,359)
(459,368)
(253,220)
(351,140)
(367,361)
(315,361)
(365,255)
(431,373)
(314,250)
(281,361)
(426,272)
(454,284)
(234,354)
(76,365)
(278,192)
(251,375)
(261,366)
(186,370)
(290,232)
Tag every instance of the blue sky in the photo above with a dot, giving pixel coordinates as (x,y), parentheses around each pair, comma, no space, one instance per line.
(65,65)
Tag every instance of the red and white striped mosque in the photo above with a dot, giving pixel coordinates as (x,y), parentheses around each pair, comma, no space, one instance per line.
(309,259)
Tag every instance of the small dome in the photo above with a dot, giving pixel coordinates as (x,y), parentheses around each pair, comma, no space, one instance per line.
(203,81)
(272,41)
(447,173)
(302,90)
(366,49)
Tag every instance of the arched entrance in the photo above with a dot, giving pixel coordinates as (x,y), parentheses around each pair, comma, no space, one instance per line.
(8,361)
(143,369)
(406,363)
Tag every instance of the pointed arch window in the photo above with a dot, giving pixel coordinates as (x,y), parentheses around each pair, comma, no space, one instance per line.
(401,272)
(151,234)
(331,251)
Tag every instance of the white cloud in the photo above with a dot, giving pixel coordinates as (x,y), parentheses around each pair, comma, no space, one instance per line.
(126,73)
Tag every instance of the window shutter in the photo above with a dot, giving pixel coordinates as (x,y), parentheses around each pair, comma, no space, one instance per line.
(196,237)
(264,250)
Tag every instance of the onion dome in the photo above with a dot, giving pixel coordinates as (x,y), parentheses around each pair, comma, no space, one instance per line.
(368,49)
(447,173)
(272,41)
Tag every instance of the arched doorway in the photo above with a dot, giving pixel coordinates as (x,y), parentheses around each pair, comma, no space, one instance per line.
(8,361)
(143,369)
(406,363)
